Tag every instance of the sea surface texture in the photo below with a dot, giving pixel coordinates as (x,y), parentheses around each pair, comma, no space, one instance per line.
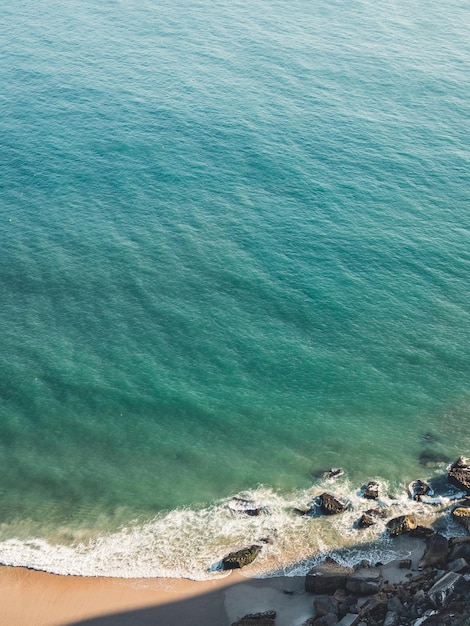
(234,252)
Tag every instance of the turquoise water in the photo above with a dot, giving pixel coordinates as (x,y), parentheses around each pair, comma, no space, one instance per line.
(234,250)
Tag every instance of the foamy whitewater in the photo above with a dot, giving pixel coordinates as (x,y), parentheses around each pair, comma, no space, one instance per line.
(234,253)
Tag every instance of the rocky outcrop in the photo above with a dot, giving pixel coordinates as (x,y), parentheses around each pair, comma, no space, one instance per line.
(239,559)
(364,582)
(327,577)
(462,516)
(417,489)
(459,474)
(436,552)
(371,490)
(370,517)
(401,524)
(330,505)
(244,507)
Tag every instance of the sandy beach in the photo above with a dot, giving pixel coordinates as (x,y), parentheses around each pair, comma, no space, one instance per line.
(32,598)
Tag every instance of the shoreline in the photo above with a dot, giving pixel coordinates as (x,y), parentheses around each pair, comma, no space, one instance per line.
(39,598)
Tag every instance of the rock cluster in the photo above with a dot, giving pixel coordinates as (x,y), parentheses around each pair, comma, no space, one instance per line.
(435,593)
(438,593)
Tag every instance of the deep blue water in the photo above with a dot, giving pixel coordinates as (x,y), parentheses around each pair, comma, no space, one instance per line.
(234,249)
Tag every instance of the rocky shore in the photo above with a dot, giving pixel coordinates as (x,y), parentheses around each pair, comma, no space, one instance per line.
(431,588)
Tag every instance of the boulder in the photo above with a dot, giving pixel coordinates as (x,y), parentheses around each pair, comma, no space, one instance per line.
(402,524)
(435,553)
(327,577)
(459,474)
(364,581)
(460,566)
(371,490)
(418,488)
(422,532)
(462,515)
(330,474)
(444,588)
(370,517)
(238,559)
(266,618)
(325,604)
(330,505)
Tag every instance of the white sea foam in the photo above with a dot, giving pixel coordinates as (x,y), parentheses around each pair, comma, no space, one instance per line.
(191,543)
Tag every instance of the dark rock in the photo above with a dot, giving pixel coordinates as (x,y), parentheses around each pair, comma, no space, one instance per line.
(327,577)
(462,515)
(422,532)
(346,606)
(459,566)
(418,488)
(391,619)
(371,490)
(375,608)
(460,551)
(459,474)
(331,505)
(330,474)
(350,619)
(402,524)
(396,605)
(244,507)
(364,582)
(326,620)
(405,564)
(325,604)
(366,520)
(267,618)
(436,552)
(430,458)
(444,588)
(238,559)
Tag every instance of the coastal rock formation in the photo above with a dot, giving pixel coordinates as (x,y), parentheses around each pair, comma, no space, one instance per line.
(371,490)
(330,505)
(327,577)
(436,552)
(239,559)
(462,516)
(370,517)
(364,581)
(459,474)
(418,488)
(401,524)
(330,474)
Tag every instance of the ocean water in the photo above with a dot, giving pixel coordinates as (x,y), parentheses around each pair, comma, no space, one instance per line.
(234,251)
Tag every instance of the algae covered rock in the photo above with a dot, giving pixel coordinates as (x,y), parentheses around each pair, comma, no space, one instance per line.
(462,515)
(236,560)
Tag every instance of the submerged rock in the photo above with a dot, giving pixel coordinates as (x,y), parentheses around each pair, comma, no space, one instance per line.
(330,505)
(238,559)
(430,458)
(459,474)
(330,474)
(244,507)
(402,524)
